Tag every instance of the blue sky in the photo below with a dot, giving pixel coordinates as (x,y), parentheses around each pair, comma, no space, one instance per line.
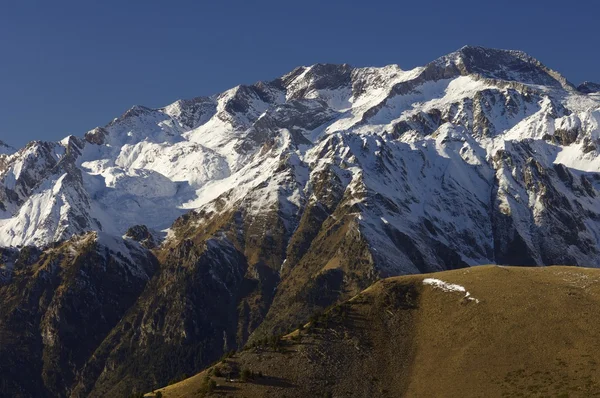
(68,66)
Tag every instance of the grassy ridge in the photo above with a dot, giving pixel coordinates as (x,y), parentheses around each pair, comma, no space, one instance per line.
(522,332)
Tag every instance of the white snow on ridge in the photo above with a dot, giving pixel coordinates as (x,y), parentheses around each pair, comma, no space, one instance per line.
(242,146)
(449,287)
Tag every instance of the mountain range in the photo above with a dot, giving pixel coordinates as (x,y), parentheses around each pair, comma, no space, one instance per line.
(147,248)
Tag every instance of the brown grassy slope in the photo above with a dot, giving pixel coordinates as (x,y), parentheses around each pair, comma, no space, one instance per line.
(534,333)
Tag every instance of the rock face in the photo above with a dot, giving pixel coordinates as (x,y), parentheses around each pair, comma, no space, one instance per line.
(140,233)
(60,304)
(268,202)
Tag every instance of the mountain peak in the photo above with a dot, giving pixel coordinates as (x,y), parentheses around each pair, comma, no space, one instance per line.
(136,110)
(489,51)
(304,80)
(6,149)
(588,87)
(500,64)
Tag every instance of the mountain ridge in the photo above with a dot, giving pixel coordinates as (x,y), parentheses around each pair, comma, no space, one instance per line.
(234,99)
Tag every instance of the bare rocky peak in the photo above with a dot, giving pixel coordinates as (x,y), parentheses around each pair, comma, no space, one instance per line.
(6,149)
(510,65)
(96,136)
(588,87)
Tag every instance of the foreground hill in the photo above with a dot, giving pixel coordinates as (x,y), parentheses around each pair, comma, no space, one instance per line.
(480,332)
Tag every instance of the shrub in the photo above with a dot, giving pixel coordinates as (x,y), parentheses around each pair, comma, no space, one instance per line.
(178,378)
(208,386)
(314,318)
(211,386)
(227,355)
(158,394)
(246,375)
(276,342)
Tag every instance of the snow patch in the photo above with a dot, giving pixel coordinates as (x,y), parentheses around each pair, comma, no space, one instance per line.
(449,287)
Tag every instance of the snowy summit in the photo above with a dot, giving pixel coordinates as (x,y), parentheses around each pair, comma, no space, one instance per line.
(481,156)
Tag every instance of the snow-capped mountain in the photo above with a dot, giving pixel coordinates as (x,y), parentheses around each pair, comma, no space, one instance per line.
(480,151)
(268,202)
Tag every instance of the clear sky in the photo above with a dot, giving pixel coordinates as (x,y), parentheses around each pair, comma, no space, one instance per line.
(67,66)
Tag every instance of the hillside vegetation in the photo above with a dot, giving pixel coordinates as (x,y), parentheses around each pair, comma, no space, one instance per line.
(512,332)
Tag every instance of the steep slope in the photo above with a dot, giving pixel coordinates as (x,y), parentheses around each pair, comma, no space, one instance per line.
(59,304)
(464,333)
